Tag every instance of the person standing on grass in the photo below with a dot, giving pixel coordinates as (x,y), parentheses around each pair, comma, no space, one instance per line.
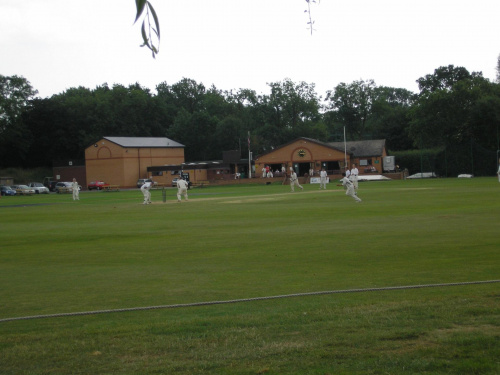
(322,179)
(182,188)
(349,187)
(294,180)
(347,172)
(354,177)
(75,189)
(498,173)
(145,191)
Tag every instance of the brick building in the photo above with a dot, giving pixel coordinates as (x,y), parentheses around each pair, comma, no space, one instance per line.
(303,154)
(123,160)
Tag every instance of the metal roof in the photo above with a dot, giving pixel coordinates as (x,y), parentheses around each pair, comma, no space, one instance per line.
(360,149)
(144,142)
(355,148)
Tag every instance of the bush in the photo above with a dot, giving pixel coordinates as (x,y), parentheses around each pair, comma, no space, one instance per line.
(23,176)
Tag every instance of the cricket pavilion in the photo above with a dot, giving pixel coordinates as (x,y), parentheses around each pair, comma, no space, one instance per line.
(305,155)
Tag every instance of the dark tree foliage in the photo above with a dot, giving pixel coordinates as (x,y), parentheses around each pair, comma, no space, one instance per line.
(456,111)
(15,135)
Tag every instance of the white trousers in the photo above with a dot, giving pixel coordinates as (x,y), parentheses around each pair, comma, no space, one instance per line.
(350,192)
(180,192)
(293,183)
(147,196)
(322,183)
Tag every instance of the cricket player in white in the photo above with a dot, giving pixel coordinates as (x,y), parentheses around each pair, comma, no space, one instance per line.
(76,192)
(349,187)
(322,179)
(354,177)
(145,191)
(182,188)
(294,180)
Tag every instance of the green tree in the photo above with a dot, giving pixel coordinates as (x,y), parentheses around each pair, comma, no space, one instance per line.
(441,113)
(196,131)
(15,137)
(290,111)
(498,69)
(388,118)
(461,116)
(350,106)
(443,79)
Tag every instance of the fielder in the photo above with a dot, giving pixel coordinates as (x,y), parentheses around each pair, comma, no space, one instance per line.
(182,188)
(322,179)
(354,177)
(294,180)
(76,191)
(349,187)
(145,191)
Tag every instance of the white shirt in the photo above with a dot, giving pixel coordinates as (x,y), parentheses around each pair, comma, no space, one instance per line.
(182,184)
(347,173)
(354,172)
(346,182)
(146,186)
(322,174)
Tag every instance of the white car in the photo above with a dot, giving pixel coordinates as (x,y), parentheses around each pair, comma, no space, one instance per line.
(39,188)
(23,189)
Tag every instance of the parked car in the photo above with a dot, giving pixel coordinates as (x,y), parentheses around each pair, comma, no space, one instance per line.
(39,188)
(23,189)
(97,185)
(66,185)
(51,185)
(423,175)
(7,190)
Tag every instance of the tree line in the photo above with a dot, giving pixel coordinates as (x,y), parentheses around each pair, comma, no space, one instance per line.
(456,114)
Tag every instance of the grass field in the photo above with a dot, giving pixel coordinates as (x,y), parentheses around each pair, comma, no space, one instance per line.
(108,251)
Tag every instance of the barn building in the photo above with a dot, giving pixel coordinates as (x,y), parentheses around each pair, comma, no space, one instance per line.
(123,160)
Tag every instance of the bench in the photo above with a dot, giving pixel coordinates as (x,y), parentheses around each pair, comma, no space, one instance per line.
(111,188)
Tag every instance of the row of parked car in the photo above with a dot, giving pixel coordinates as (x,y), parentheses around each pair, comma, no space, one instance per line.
(35,188)
(54,186)
(29,189)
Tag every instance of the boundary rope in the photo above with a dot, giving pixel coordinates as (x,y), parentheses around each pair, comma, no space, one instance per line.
(208,303)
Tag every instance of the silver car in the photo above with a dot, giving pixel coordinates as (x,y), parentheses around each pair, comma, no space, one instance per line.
(39,188)
(23,189)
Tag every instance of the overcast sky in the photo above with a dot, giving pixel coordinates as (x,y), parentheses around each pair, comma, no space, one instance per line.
(233,44)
